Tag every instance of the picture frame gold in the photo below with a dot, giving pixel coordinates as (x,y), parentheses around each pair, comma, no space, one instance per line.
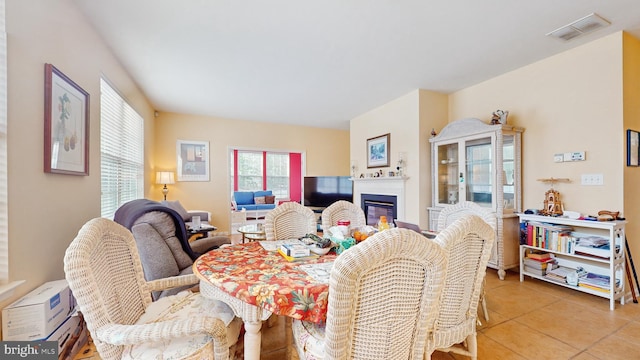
(66,124)
(378,151)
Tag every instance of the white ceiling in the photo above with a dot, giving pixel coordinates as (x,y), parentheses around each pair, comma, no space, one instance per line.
(322,63)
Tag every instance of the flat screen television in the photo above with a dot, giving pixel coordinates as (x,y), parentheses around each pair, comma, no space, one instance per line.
(322,191)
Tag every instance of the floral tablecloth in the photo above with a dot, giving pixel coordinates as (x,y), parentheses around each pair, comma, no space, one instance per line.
(264,278)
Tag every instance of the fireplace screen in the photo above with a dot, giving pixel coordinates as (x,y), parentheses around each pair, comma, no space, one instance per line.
(379,205)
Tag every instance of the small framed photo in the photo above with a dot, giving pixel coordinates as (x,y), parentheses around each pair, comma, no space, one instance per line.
(193,160)
(633,146)
(378,151)
(66,124)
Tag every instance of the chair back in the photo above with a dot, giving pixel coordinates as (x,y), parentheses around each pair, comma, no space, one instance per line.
(289,221)
(450,213)
(383,297)
(104,273)
(468,243)
(343,210)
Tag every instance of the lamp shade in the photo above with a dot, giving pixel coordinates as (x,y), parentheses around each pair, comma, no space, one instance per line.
(164,177)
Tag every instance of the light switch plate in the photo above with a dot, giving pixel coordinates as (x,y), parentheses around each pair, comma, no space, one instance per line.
(558,158)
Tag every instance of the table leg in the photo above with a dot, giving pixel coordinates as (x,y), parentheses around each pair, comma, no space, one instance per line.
(252,340)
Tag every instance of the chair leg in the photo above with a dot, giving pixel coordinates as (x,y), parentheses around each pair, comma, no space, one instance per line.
(472,346)
(483,299)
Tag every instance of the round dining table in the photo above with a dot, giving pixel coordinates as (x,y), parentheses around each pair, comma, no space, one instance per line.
(257,282)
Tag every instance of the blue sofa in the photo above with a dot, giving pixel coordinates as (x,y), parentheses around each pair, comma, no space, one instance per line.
(247,200)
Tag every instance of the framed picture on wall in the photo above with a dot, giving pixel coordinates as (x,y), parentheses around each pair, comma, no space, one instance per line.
(378,151)
(66,124)
(192,160)
(633,146)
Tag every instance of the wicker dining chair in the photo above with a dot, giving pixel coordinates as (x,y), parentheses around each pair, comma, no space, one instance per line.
(451,213)
(104,272)
(343,210)
(467,243)
(289,221)
(383,300)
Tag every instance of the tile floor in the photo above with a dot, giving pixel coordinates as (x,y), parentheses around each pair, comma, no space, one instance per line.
(528,320)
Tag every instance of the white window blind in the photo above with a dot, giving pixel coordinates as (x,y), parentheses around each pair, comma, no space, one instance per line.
(4,218)
(121,151)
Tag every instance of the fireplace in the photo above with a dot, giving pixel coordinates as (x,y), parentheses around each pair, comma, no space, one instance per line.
(388,193)
(375,205)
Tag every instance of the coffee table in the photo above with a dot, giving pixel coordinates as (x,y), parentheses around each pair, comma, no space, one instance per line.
(252,232)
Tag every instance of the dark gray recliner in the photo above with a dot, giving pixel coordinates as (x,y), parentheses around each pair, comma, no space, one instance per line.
(163,241)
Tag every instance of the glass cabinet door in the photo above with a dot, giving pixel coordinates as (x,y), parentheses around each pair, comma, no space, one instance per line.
(479,171)
(448,174)
(509,178)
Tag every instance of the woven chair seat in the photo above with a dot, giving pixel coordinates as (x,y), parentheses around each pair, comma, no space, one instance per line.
(182,306)
(309,339)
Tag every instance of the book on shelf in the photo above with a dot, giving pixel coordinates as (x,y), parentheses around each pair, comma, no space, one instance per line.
(300,258)
(553,237)
(538,255)
(596,288)
(535,271)
(597,280)
(558,274)
(539,264)
(594,246)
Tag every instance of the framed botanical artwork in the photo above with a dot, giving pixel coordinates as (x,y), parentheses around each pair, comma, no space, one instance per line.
(66,124)
(633,146)
(378,151)
(193,160)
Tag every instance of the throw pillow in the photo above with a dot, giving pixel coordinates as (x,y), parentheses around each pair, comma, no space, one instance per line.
(259,200)
(270,199)
(177,207)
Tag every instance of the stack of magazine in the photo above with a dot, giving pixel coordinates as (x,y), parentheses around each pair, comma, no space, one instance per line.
(596,282)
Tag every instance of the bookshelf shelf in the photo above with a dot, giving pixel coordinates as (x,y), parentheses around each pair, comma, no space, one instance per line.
(611,265)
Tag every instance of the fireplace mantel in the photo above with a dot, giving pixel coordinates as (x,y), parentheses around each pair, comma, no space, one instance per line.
(390,185)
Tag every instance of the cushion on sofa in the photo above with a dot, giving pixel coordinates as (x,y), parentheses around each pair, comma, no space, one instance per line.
(259,200)
(262,193)
(270,199)
(243,198)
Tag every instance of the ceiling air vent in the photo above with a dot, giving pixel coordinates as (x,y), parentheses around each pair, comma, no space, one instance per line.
(579,27)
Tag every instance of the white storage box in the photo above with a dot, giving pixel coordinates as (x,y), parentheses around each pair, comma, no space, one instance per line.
(71,336)
(39,313)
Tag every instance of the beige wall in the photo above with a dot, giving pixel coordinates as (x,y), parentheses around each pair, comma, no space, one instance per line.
(580,100)
(568,102)
(409,120)
(325,152)
(46,210)
(631,110)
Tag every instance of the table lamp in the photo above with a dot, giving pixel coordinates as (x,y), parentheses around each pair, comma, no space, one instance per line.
(164,178)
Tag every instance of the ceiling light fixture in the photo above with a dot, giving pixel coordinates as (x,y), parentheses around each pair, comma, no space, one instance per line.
(587,24)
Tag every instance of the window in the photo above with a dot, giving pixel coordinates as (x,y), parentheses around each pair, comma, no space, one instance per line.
(121,151)
(4,233)
(280,172)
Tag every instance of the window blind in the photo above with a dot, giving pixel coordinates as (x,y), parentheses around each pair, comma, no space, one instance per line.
(121,151)
(4,218)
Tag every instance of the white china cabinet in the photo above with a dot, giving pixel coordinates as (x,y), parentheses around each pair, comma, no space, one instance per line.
(475,161)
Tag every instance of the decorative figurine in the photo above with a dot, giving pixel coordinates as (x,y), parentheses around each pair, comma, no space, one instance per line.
(552,204)
(499,117)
